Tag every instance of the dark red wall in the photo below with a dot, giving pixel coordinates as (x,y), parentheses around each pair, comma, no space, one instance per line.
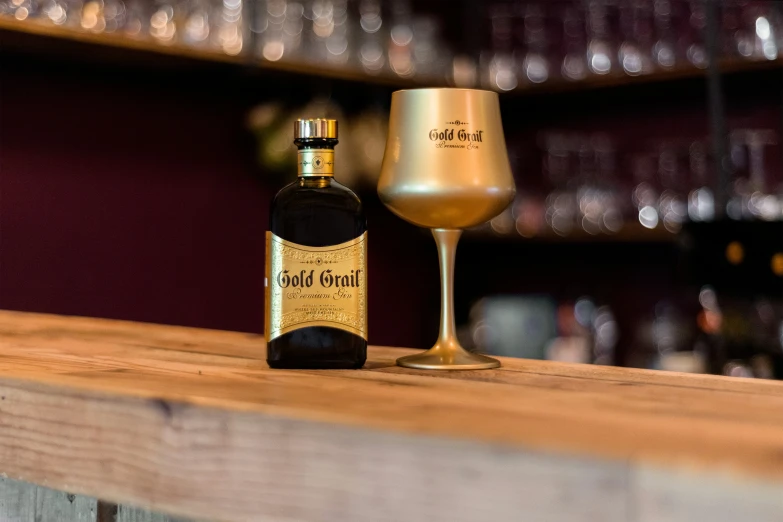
(137,197)
(128,203)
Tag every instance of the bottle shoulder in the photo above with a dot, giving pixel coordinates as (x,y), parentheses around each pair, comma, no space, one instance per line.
(317,213)
(298,193)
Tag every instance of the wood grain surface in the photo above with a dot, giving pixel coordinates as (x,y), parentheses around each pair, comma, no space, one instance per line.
(192,422)
(24,502)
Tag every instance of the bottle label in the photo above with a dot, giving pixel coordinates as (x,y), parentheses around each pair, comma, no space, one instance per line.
(316,162)
(315,286)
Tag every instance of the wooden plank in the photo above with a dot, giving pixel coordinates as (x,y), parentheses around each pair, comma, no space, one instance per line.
(61,506)
(23,502)
(402,480)
(17,501)
(193,423)
(659,417)
(131,514)
(209,463)
(658,495)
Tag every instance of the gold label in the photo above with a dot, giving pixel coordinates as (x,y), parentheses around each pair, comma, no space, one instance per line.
(316,162)
(315,286)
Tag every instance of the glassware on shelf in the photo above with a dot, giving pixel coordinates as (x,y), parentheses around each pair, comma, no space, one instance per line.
(322,15)
(636,26)
(339,44)
(162,26)
(561,202)
(527,215)
(646,191)
(528,42)
(463,71)
(415,47)
(664,50)
(573,66)
(600,48)
(327,34)
(269,22)
(696,51)
(230,27)
(196,24)
(400,46)
(701,199)
(606,334)
(752,197)
(21,9)
(136,19)
(613,208)
(534,64)
(584,190)
(737,42)
(425,47)
(372,35)
(288,29)
(589,195)
(114,15)
(672,203)
(499,68)
(59,12)
(590,183)
(757,21)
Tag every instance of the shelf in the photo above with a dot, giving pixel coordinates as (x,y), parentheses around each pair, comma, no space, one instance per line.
(631,233)
(619,79)
(32,33)
(47,30)
(23,31)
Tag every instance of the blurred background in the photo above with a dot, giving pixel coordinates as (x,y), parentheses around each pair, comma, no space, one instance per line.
(141,142)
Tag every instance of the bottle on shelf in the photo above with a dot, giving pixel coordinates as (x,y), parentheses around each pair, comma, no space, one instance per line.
(316,269)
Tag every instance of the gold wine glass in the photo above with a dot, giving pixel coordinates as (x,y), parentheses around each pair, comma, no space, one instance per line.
(446,168)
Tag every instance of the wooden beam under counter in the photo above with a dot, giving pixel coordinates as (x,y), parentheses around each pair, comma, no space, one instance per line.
(174,423)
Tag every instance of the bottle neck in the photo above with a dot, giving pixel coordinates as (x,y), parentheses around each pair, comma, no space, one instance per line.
(315,157)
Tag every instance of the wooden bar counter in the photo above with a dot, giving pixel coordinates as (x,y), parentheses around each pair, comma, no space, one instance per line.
(107,420)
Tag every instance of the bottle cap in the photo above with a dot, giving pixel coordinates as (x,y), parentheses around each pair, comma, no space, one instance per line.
(315,128)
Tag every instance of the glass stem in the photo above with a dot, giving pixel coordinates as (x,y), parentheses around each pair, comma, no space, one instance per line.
(446,240)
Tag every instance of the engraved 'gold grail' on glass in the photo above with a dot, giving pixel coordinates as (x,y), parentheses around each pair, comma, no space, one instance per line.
(446,168)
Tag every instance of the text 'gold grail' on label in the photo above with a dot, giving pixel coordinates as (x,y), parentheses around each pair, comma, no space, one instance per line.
(316,286)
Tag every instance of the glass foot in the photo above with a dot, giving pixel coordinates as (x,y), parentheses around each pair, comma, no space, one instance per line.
(437,358)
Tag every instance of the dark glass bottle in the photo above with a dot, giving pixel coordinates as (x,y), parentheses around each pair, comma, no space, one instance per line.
(317,211)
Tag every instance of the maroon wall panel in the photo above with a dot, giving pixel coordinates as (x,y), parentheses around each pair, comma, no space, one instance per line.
(142,201)
(128,204)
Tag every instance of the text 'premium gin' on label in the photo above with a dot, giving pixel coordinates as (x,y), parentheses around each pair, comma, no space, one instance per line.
(316,263)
